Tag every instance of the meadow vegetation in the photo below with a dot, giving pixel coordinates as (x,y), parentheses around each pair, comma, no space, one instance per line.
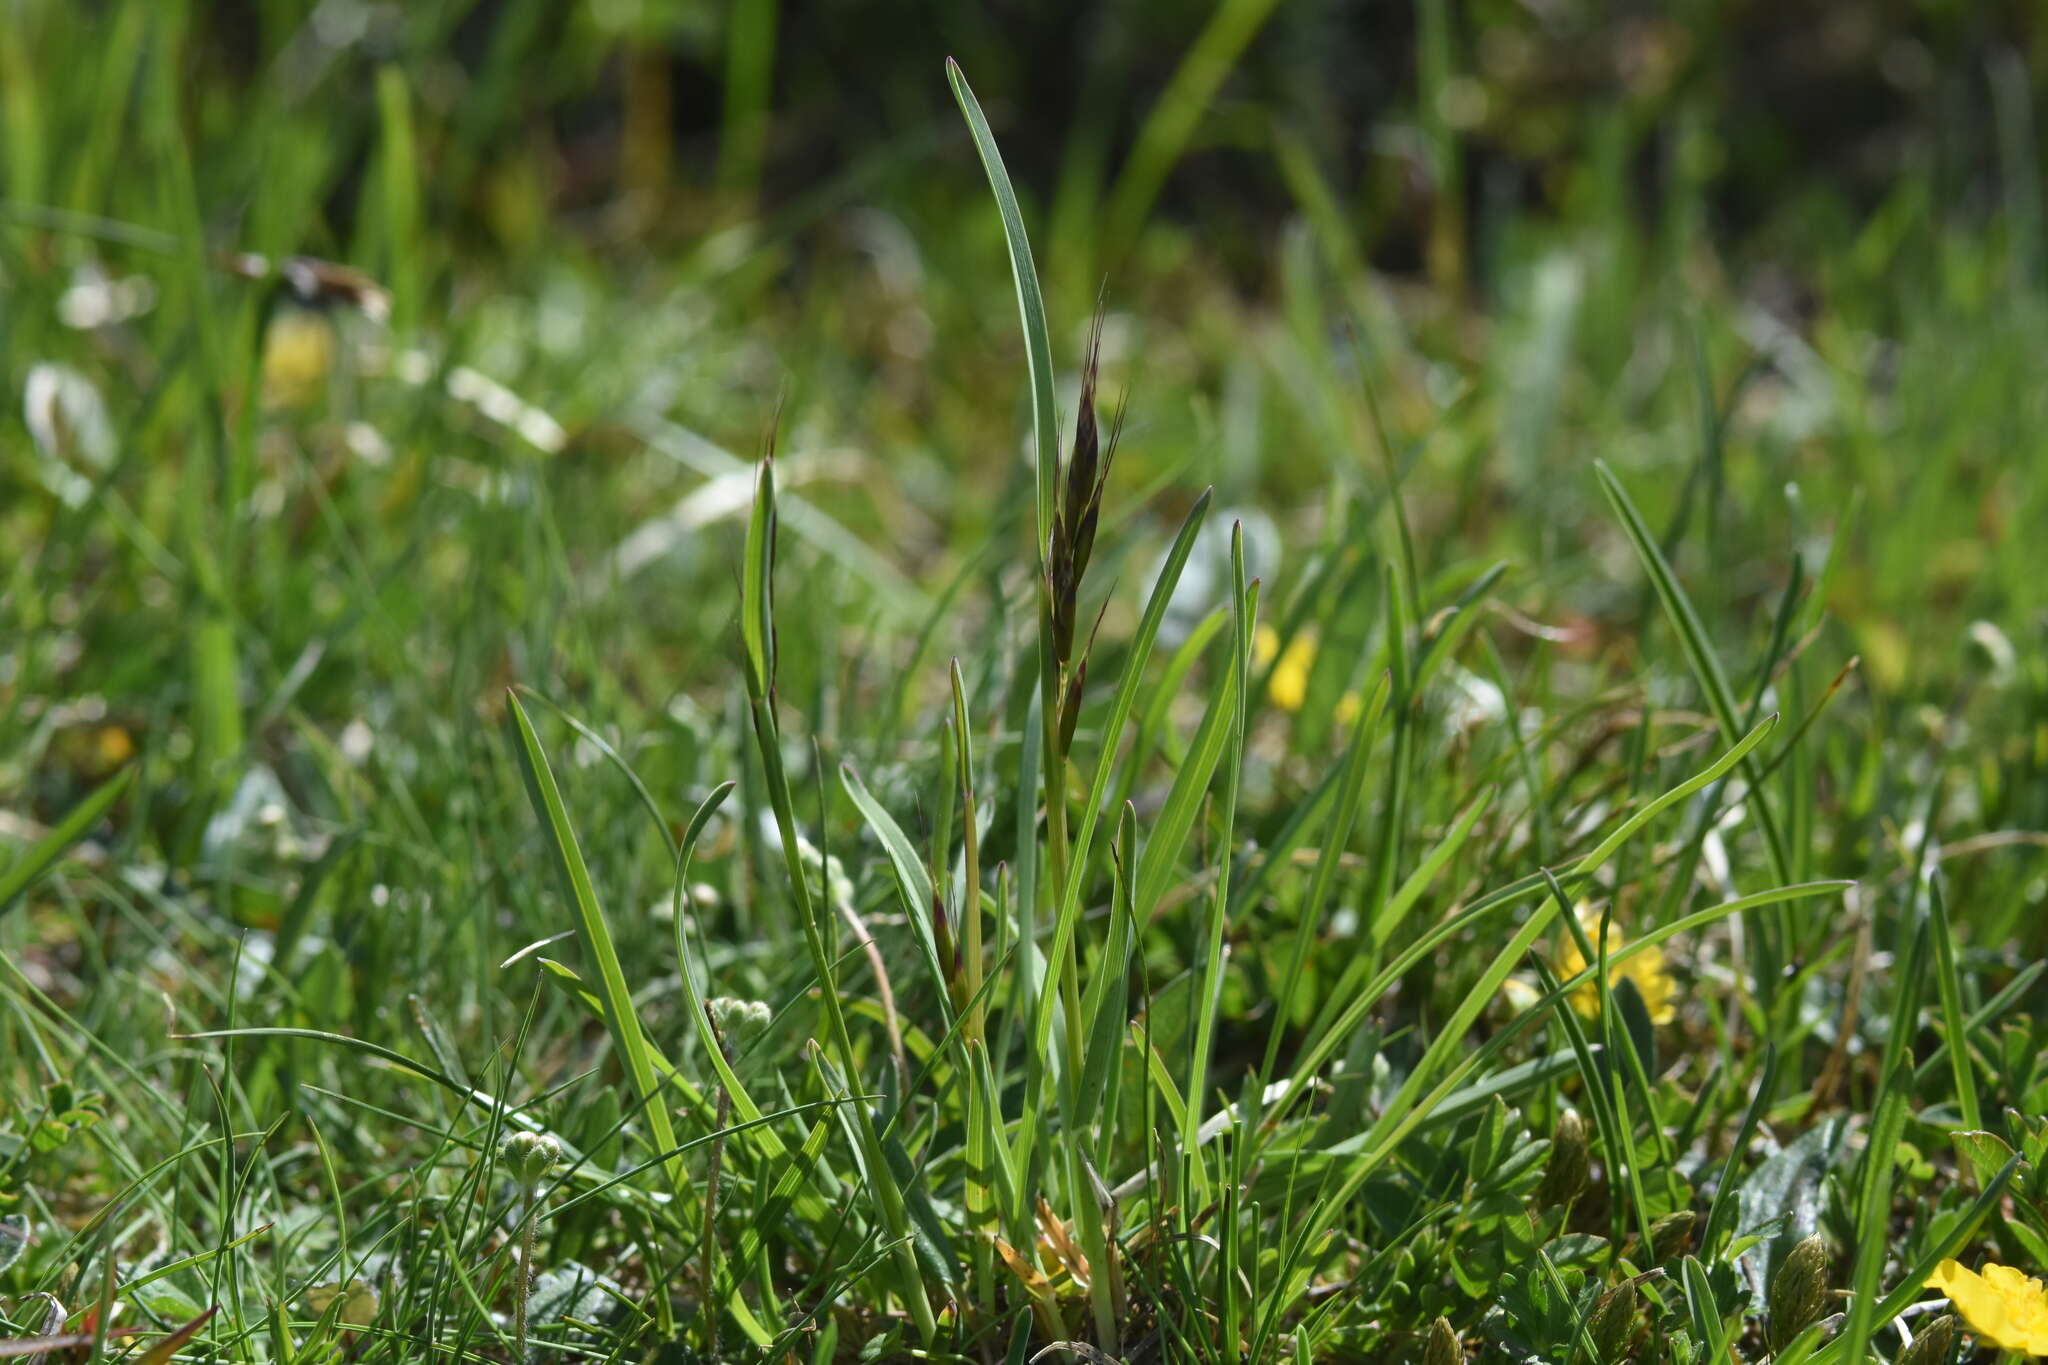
(775,748)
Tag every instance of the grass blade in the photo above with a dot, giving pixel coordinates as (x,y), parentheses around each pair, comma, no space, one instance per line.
(29,866)
(591,931)
(1030,302)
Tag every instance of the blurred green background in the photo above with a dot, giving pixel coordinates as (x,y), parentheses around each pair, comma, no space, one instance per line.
(1780,264)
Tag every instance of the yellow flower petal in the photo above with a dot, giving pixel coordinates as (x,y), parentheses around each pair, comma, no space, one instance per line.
(1647,971)
(1288,685)
(2002,1305)
(1348,707)
(298,352)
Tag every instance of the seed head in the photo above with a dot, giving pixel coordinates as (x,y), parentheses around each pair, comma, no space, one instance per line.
(1612,1320)
(740,1021)
(1933,1344)
(1799,1290)
(1441,1346)
(1671,1235)
(530,1156)
(1570,1168)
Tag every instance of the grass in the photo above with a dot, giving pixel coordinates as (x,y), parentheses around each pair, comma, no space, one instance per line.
(1518,810)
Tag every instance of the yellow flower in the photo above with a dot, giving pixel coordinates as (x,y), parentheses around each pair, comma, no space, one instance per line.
(1348,708)
(1288,684)
(298,351)
(2002,1306)
(1646,970)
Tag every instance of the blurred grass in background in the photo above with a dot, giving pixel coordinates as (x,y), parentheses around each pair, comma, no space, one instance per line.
(1556,231)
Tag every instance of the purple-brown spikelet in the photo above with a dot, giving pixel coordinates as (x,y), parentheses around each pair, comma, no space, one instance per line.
(1084,527)
(1082,462)
(1070,706)
(1079,512)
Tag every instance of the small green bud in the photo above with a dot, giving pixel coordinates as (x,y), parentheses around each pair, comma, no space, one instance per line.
(1612,1320)
(740,1021)
(1569,1170)
(1799,1290)
(1671,1235)
(530,1156)
(1933,1344)
(1441,1346)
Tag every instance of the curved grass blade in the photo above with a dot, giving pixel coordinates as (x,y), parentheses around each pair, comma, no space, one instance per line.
(1030,302)
(1699,652)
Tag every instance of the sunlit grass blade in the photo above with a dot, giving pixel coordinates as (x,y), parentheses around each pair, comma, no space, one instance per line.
(757,631)
(913,885)
(593,933)
(1699,653)
(1030,302)
(1948,987)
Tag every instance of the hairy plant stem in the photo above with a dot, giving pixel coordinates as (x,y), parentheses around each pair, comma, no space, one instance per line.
(529,1230)
(711,1169)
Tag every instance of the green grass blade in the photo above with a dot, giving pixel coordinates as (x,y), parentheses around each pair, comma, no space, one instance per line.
(1910,1286)
(1139,653)
(1350,797)
(1874,1209)
(38,858)
(1699,652)
(913,884)
(1723,1207)
(1167,129)
(591,930)
(1030,303)
(757,585)
(1949,987)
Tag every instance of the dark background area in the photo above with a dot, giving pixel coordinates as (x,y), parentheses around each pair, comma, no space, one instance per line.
(1784,123)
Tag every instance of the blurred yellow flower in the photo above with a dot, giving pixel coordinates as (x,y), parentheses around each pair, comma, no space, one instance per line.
(1348,708)
(1647,971)
(298,351)
(1288,684)
(2002,1306)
